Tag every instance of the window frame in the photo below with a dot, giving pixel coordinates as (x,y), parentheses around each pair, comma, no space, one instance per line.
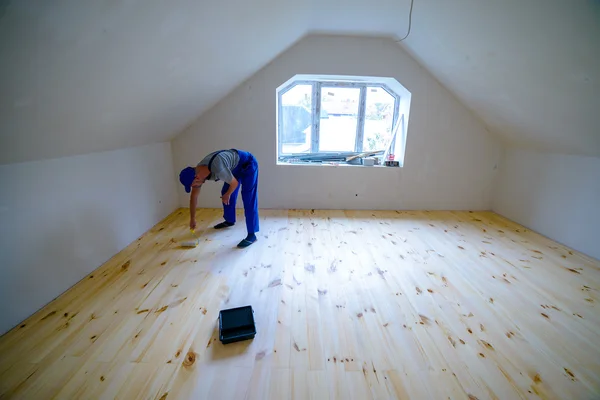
(317,85)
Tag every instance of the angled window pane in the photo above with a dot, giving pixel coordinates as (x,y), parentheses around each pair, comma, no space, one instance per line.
(379,117)
(296,106)
(339,118)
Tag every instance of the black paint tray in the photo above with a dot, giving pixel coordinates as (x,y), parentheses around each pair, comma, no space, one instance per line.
(236,324)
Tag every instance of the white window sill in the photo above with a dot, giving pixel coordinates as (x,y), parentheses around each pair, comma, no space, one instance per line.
(332,164)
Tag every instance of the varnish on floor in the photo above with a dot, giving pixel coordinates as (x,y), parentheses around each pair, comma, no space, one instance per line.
(348,305)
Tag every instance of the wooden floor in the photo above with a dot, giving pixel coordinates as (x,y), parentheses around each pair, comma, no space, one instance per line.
(349,305)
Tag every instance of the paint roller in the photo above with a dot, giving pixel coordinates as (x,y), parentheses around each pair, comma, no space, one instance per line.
(191,243)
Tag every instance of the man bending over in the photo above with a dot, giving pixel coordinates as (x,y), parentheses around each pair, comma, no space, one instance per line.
(235,168)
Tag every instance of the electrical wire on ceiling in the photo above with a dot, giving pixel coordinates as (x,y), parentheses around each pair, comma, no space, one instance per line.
(409,21)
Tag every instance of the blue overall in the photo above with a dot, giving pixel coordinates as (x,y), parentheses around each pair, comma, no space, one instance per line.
(246,173)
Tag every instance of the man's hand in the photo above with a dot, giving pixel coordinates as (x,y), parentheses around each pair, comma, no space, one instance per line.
(226,198)
(192,224)
(227,195)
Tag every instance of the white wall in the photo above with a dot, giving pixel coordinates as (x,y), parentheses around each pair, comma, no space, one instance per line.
(556,195)
(63,218)
(450,157)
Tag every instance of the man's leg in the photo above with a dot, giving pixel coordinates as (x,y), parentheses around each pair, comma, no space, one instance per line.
(228,210)
(250,199)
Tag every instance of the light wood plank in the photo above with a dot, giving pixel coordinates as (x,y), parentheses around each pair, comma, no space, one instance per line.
(348,304)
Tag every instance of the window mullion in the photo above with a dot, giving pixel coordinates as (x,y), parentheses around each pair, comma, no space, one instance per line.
(360,126)
(316,113)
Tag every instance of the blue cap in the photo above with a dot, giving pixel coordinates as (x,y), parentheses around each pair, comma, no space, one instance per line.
(186,177)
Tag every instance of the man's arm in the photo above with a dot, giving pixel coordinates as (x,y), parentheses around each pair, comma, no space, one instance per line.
(232,186)
(193,202)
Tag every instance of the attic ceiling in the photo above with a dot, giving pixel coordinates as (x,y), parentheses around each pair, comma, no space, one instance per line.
(529,69)
(80,77)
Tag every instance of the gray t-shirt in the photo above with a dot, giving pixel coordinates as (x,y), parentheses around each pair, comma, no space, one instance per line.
(222,165)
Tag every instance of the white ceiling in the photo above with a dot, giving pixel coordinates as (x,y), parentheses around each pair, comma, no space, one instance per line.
(529,69)
(78,77)
(83,76)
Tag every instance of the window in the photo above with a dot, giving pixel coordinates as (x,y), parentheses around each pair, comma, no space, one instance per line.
(330,120)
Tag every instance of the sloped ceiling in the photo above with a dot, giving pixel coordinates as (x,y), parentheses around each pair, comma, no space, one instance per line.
(529,69)
(84,76)
(78,77)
